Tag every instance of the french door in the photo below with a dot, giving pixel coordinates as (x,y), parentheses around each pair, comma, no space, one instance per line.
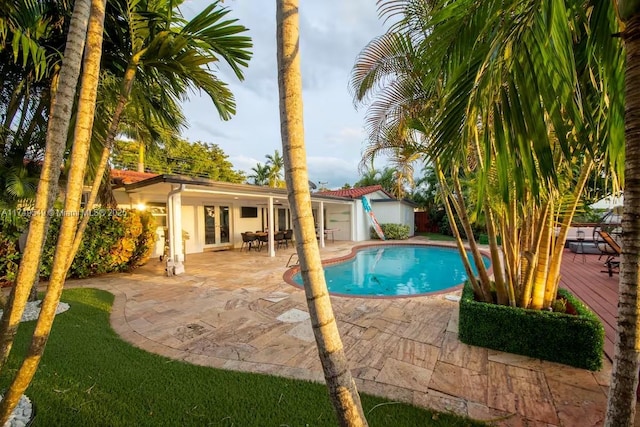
(216,226)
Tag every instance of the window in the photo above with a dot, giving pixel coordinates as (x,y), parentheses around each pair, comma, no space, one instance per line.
(248,212)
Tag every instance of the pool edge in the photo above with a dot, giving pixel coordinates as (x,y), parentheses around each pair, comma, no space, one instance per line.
(288,274)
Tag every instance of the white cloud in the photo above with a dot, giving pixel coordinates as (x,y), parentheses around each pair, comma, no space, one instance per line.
(332,34)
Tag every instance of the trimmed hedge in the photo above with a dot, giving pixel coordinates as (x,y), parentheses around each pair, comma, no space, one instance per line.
(391,232)
(575,340)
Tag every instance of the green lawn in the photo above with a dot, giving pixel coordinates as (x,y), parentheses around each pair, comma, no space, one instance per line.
(436,236)
(90,377)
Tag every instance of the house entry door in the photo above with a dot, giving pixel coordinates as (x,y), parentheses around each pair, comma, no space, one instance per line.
(216,225)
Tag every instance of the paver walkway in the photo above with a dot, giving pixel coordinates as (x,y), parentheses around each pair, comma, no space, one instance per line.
(232,310)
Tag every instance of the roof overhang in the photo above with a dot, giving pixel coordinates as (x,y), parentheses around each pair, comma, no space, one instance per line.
(163,184)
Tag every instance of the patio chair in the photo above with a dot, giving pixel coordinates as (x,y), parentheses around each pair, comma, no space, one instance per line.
(263,239)
(278,239)
(611,249)
(248,240)
(288,237)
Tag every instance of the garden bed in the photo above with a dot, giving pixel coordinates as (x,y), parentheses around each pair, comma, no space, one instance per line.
(574,338)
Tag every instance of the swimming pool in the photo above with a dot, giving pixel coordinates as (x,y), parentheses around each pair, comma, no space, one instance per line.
(395,270)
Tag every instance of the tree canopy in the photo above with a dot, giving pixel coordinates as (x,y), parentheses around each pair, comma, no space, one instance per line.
(181,157)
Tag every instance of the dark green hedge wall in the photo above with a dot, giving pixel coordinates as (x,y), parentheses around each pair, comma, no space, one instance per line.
(576,340)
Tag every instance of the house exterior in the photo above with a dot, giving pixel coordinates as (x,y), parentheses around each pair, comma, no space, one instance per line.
(387,209)
(197,214)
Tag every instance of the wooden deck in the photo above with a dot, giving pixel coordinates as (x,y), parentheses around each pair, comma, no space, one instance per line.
(585,279)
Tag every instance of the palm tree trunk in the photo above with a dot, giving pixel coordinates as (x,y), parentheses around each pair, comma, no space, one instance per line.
(62,104)
(502,293)
(531,255)
(141,156)
(342,388)
(466,224)
(75,185)
(127,84)
(481,291)
(542,264)
(553,279)
(621,403)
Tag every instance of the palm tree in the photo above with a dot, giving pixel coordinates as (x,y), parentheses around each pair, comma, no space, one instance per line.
(621,403)
(260,175)
(31,40)
(48,183)
(173,54)
(563,74)
(342,388)
(371,176)
(481,101)
(275,163)
(75,185)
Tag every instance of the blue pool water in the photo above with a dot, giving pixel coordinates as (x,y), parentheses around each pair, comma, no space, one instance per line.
(396,271)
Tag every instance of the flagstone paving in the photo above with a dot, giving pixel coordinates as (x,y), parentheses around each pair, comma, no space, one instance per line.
(233,310)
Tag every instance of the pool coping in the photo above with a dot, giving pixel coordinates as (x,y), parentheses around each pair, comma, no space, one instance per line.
(288,274)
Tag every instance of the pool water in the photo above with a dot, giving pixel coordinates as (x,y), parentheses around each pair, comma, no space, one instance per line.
(396,271)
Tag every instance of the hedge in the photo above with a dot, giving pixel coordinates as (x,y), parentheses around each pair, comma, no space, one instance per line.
(391,232)
(114,240)
(572,339)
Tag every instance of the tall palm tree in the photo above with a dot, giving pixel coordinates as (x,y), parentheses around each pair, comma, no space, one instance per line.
(342,388)
(48,184)
(260,175)
(566,74)
(621,403)
(275,163)
(173,54)
(75,185)
(480,96)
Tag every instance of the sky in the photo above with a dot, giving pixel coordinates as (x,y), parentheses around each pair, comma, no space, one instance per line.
(332,33)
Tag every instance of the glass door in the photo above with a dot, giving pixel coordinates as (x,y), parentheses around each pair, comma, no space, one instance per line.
(210,225)
(216,225)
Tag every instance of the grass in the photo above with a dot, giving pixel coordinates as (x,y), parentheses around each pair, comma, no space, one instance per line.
(436,236)
(90,377)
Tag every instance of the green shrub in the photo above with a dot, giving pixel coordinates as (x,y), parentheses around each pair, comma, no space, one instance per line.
(144,242)
(572,339)
(114,240)
(9,259)
(13,223)
(391,232)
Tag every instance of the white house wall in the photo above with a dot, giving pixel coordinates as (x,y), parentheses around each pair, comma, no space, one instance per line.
(387,212)
(338,218)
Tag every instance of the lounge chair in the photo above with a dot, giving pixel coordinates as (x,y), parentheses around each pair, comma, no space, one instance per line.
(611,249)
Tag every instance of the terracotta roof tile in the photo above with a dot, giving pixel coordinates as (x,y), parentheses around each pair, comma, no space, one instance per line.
(129,177)
(355,193)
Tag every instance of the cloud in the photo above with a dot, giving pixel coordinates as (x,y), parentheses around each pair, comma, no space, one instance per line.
(332,34)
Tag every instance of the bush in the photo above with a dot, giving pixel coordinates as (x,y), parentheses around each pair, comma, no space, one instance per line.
(391,232)
(572,339)
(12,225)
(119,240)
(144,242)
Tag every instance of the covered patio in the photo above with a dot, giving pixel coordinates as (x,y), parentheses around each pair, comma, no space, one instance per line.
(245,317)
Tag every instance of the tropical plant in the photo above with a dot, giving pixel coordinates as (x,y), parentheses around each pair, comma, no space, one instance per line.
(275,162)
(342,389)
(31,41)
(542,83)
(371,176)
(75,185)
(482,112)
(621,405)
(260,175)
(163,50)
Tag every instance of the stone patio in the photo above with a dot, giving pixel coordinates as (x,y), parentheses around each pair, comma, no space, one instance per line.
(233,310)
